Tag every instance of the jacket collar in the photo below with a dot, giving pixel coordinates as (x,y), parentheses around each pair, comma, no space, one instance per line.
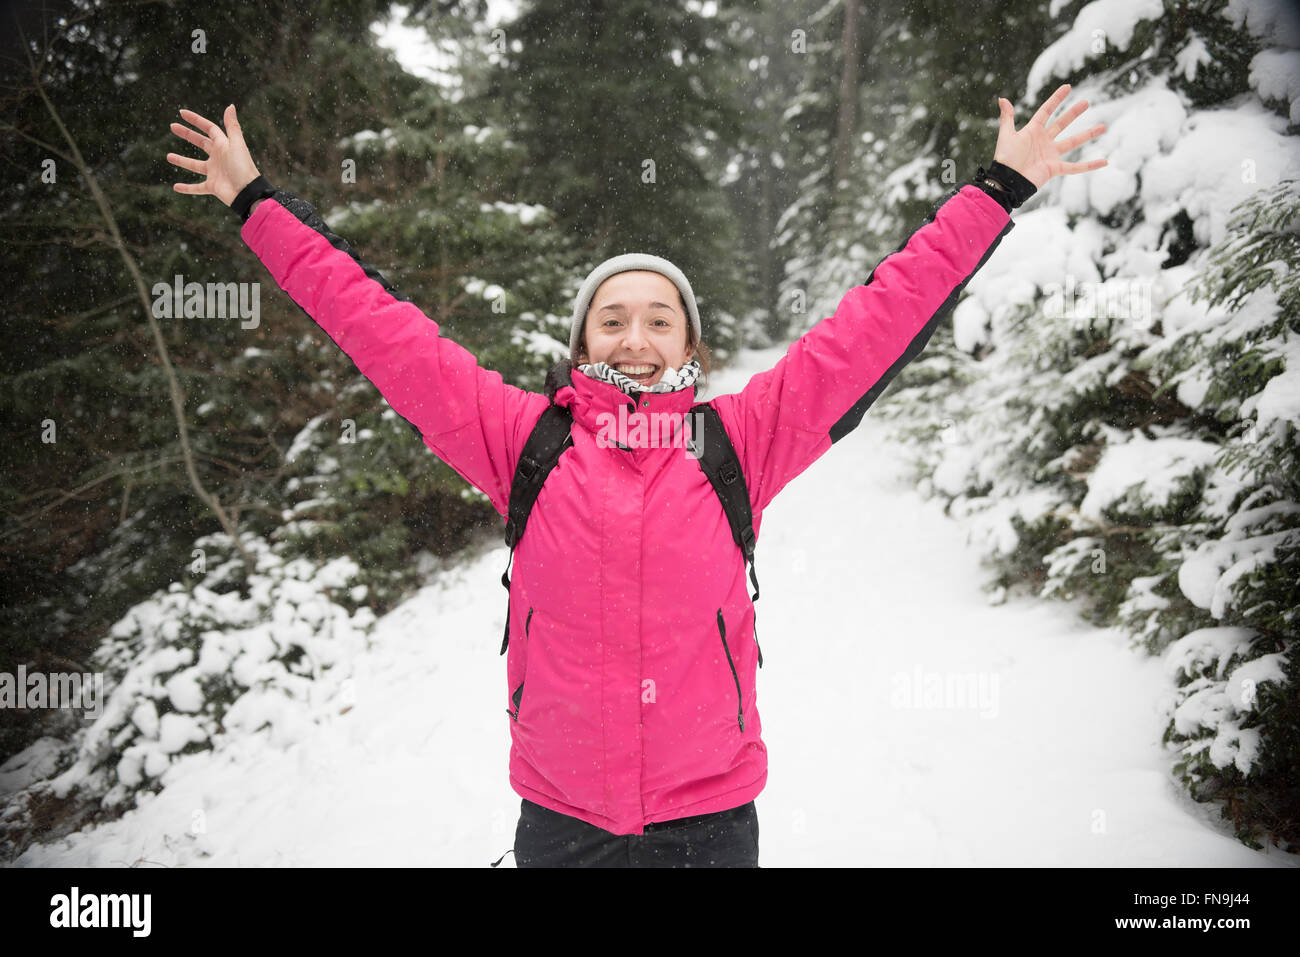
(590,400)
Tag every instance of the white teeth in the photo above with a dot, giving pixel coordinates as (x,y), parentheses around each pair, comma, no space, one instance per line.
(635,370)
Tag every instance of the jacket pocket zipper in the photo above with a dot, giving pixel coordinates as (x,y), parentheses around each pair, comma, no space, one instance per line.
(518,694)
(740,705)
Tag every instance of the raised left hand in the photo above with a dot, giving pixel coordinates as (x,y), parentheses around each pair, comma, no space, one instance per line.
(1032,151)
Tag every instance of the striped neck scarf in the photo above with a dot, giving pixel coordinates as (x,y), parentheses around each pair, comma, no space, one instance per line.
(673,380)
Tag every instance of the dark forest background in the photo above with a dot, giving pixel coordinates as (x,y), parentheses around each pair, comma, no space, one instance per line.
(776,149)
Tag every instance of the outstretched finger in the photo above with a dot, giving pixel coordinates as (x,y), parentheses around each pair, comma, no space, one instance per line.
(206,125)
(1074,142)
(1048,108)
(1069,168)
(1058,126)
(232,122)
(184,162)
(197,119)
(190,136)
(194,189)
(1006,118)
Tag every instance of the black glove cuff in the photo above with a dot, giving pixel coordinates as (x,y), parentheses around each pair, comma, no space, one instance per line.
(257,189)
(1004,184)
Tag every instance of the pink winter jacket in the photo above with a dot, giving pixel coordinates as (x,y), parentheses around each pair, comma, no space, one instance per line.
(630,676)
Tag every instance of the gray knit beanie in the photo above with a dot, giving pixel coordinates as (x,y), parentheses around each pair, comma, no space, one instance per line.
(626,263)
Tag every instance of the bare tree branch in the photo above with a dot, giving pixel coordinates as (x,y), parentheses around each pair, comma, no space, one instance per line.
(67,158)
(174,386)
(22,521)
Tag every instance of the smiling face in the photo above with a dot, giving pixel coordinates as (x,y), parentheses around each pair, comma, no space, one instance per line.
(637,320)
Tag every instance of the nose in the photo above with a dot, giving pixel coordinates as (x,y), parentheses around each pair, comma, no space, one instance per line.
(634,339)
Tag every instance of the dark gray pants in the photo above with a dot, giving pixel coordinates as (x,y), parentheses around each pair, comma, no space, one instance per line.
(546,838)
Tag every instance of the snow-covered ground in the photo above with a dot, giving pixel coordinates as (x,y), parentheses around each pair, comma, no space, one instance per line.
(871,604)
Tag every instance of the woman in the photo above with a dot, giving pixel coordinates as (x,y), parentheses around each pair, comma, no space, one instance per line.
(636,739)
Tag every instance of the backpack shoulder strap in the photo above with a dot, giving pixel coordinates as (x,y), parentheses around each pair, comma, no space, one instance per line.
(718,459)
(550,437)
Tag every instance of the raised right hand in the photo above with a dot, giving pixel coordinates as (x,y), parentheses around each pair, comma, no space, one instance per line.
(229,166)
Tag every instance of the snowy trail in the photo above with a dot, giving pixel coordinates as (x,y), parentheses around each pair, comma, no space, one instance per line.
(1058,764)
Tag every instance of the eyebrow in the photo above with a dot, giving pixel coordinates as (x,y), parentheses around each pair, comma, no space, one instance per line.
(618,306)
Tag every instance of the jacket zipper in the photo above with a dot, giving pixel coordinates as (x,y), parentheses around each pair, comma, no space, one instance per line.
(740,705)
(518,695)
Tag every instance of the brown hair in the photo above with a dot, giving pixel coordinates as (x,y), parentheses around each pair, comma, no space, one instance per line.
(705,356)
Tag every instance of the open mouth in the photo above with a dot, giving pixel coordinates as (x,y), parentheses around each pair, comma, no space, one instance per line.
(637,371)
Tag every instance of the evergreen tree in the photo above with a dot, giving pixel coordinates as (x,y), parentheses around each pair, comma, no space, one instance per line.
(284,433)
(1117,419)
(924,91)
(616,106)
(757,179)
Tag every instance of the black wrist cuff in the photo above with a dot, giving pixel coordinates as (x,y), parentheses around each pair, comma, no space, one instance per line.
(257,189)
(1004,184)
